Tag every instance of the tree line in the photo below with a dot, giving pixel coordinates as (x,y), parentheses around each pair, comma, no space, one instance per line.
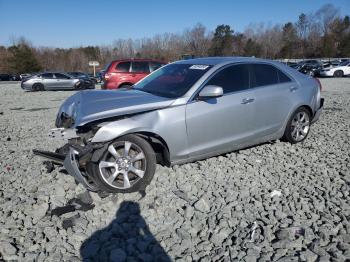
(324,33)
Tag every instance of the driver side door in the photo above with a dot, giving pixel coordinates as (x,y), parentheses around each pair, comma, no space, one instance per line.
(221,124)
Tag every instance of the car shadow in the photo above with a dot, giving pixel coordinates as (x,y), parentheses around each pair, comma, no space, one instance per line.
(127,237)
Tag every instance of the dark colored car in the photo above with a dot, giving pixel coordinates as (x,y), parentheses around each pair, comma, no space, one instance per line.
(5,77)
(125,73)
(97,78)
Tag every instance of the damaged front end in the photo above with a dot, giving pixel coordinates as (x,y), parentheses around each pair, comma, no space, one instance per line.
(81,117)
(75,157)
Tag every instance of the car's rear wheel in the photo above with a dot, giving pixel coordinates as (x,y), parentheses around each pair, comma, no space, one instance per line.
(339,73)
(38,87)
(298,126)
(127,165)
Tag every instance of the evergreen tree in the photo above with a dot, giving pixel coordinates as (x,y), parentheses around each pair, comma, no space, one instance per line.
(222,42)
(22,59)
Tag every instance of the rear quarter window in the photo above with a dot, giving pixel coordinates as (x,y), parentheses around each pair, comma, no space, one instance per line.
(282,77)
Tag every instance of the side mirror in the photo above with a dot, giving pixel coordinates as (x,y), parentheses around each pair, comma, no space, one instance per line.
(210,91)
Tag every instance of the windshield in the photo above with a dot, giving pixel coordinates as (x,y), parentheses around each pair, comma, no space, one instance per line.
(172,81)
(345,63)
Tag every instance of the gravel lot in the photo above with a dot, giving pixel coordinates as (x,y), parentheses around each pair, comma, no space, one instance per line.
(271,202)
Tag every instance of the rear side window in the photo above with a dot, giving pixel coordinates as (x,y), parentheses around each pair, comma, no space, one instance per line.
(123,67)
(140,67)
(47,76)
(282,77)
(232,79)
(264,75)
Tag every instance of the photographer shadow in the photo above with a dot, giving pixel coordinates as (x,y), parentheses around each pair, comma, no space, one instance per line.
(126,238)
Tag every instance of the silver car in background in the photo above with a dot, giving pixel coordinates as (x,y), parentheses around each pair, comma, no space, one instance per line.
(55,81)
(182,112)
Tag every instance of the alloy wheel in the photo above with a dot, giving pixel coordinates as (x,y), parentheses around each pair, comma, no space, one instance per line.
(123,165)
(300,126)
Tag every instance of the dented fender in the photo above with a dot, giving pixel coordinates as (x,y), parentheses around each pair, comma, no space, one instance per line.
(167,123)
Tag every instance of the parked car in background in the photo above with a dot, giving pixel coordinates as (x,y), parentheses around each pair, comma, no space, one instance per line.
(79,75)
(5,77)
(97,78)
(310,69)
(125,73)
(26,75)
(343,69)
(55,81)
(185,111)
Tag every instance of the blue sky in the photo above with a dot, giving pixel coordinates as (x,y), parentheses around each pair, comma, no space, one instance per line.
(72,23)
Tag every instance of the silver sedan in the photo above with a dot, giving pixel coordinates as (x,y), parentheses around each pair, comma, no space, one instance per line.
(184,111)
(55,81)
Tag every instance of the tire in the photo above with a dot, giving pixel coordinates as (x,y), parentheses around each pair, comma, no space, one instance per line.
(38,87)
(298,126)
(127,165)
(338,73)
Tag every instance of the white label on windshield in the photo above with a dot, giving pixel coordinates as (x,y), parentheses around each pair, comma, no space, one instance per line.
(199,67)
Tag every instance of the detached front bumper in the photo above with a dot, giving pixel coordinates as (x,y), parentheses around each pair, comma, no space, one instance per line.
(318,112)
(70,161)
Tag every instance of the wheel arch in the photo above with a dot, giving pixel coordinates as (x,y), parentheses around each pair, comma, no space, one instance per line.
(159,146)
(125,83)
(129,126)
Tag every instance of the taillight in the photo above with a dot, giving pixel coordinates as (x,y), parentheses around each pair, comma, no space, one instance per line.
(107,76)
(319,83)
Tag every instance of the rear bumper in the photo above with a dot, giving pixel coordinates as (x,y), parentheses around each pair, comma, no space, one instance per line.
(70,161)
(318,112)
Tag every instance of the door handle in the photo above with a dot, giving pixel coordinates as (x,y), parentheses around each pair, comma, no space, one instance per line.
(247,100)
(293,88)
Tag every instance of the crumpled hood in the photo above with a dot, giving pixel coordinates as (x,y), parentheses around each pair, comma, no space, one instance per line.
(91,105)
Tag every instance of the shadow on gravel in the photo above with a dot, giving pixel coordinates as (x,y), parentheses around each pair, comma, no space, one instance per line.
(127,237)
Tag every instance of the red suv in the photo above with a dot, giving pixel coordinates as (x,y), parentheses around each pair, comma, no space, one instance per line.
(126,72)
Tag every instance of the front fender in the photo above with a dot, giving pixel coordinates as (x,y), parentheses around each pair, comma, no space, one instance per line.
(110,131)
(168,123)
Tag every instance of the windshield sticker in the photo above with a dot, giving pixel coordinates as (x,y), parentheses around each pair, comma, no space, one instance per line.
(199,67)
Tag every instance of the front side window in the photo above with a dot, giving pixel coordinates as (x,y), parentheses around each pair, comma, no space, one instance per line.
(123,67)
(231,79)
(140,67)
(264,75)
(172,81)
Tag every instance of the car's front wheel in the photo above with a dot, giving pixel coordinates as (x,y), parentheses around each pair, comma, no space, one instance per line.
(298,126)
(127,165)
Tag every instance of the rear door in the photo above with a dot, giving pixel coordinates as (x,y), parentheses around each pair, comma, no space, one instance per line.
(63,81)
(48,80)
(274,92)
(220,124)
(139,69)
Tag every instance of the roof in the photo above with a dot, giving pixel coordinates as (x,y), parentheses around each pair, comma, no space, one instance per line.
(219,60)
